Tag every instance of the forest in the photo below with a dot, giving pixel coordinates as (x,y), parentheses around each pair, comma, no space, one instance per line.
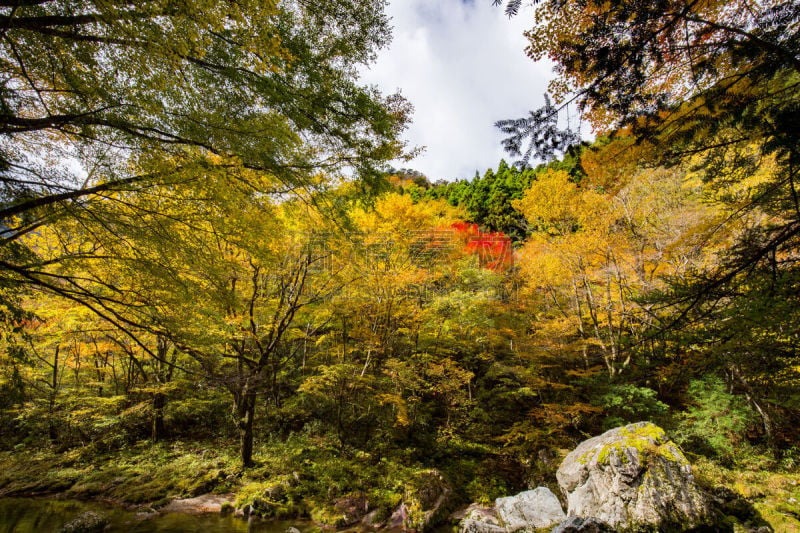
(213,281)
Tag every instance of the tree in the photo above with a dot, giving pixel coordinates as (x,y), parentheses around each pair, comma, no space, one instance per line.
(545,140)
(595,256)
(100,83)
(715,85)
(99,98)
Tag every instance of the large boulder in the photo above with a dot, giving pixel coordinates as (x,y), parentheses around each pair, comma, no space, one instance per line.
(532,509)
(632,478)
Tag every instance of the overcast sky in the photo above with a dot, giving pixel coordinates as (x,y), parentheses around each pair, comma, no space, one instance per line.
(463,66)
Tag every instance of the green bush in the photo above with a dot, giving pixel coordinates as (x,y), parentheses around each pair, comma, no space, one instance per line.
(715,423)
(628,403)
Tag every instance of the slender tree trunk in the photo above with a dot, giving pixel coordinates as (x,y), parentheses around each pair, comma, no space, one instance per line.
(157,430)
(51,425)
(245,411)
(750,395)
(161,375)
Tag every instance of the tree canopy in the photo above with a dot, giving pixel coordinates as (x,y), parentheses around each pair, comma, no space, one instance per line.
(104,96)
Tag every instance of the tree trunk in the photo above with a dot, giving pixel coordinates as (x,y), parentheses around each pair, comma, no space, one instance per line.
(751,397)
(246,413)
(157,430)
(51,412)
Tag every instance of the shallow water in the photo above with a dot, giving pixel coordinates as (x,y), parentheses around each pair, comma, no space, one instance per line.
(35,515)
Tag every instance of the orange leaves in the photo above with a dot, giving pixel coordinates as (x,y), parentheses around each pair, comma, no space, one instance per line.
(493,249)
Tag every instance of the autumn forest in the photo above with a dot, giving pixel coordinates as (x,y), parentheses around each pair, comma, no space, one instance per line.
(214,279)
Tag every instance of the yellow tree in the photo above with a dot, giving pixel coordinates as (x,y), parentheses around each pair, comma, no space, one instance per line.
(596,252)
(373,358)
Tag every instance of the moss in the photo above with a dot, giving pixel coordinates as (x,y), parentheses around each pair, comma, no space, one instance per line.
(769,495)
(142,474)
(647,439)
(276,498)
(426,499)
(326,515)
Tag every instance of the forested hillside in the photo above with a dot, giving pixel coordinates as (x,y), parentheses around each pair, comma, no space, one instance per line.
(210,282)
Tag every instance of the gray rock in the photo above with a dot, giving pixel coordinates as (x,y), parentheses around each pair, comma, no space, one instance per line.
(145,514)
(576,524)
(532,509)
(632,477)
(88,522)
(479,519)
(469,525)
(482,514)
(292,529)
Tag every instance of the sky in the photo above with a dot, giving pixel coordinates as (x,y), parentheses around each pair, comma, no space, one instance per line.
(462,65)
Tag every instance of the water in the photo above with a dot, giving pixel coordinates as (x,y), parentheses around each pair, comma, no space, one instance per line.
(34,515)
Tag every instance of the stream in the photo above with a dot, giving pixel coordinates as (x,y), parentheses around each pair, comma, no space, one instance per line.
(37,515)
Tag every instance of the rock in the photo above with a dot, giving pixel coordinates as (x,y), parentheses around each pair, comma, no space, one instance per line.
(352,508)
(88,522)
(398,518)
(482,514)
(576,524)
(532,509)
(145,514)
(479,519)
(477,526)
(728,503)
(374,518)
(292,529)
(632,478)
(207,503)
(426,501)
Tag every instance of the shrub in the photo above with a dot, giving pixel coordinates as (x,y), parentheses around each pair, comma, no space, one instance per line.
(715,423)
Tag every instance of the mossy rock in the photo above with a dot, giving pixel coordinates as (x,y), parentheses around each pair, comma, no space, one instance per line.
(633,478)
(427,500)
(271,499)
(88,522)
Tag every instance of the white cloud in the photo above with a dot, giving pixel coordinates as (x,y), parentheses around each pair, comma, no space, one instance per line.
(463,66)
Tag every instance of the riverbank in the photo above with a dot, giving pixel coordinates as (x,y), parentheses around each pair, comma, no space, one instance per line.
(294,481)
(291,479)
(37,515)
(146,475)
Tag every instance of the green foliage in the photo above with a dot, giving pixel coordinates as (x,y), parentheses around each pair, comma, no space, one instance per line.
(716,423)
(627,403)
(488,199)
